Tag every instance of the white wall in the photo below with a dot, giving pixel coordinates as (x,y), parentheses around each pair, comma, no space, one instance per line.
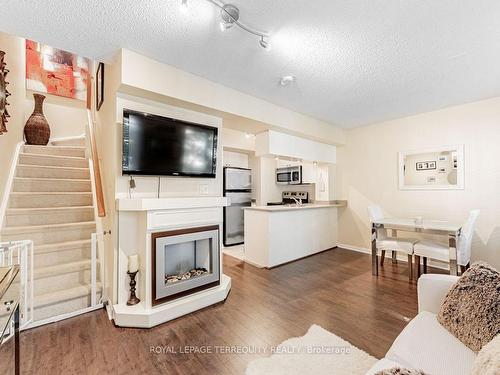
(367,173)
(153,76)
(66,116)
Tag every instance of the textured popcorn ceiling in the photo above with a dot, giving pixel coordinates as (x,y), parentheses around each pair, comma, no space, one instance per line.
(356,61)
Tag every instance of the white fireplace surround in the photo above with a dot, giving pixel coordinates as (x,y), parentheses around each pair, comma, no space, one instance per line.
(138,218)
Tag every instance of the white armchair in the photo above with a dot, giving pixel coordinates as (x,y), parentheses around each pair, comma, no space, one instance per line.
(432,289)
(424,343)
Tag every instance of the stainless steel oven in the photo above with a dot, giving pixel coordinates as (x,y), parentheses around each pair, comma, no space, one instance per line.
(289,175)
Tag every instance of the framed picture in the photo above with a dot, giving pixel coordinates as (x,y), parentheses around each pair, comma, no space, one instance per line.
(99,86)
(434,168)
(425,165)
(57,72)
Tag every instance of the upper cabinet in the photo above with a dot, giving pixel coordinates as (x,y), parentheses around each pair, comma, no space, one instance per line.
(309,175)
(272,143)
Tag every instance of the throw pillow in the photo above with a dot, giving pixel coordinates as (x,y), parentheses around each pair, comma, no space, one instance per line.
(488,359)
(400,371)
(471,309)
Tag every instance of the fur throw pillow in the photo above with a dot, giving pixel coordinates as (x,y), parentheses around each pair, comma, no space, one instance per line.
(488,359)
(400,371)
(471,309)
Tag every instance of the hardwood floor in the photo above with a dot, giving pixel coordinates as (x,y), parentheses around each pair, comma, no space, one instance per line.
(334,289)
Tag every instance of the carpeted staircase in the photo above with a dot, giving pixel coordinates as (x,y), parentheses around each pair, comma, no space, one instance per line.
(51,203)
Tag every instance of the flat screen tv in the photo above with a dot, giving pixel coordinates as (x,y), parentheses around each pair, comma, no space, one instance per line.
(161,146)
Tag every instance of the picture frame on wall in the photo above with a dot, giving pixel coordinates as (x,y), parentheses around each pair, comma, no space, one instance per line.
(99,86)
(430,172)
(425,165)
(56,72)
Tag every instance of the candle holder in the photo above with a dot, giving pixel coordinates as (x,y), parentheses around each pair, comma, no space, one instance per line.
(133,300)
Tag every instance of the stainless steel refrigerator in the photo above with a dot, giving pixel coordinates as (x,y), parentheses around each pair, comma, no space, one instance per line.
(238,190)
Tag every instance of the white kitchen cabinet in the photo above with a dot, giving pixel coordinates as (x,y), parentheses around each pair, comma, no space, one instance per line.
(309,174)
(283,163)
(272,143)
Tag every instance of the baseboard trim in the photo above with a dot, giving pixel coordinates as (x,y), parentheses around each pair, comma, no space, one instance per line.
(400,258)
(109,310)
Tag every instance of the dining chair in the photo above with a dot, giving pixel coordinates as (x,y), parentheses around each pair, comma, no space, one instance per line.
(438,251)
(393,244)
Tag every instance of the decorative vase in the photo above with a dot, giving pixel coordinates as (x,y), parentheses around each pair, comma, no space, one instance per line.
(37,129)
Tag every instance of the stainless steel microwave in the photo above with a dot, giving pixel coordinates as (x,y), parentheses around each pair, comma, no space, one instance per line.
(289,175)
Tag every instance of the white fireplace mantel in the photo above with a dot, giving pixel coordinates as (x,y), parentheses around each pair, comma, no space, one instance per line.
(151,204)
(138,218)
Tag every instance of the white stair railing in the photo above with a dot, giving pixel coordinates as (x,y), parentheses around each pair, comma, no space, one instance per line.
(21,253)
(93,271)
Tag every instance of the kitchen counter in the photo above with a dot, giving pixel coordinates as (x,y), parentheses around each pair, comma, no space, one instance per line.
(298,207)
(275,235)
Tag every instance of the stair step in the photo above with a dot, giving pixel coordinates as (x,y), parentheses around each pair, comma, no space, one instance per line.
(80,142)
(36,171)
(53,160)
(61,269)
(77,151)
(54,309)
(56,258)
(60,255)
(50,234)
(15,217)
(62,246)
(62,276)
(26,184)
(49,199)
(63,295)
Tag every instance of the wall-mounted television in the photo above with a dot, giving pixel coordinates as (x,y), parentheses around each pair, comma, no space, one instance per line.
(161,146)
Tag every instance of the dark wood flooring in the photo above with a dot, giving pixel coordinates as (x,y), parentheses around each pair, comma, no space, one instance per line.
(334,289)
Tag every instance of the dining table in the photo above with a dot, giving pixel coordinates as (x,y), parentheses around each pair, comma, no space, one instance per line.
(436,227)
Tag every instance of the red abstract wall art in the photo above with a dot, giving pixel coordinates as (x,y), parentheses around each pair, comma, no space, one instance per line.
(54,71)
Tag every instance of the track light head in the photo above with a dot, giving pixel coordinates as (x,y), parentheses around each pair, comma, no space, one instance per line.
(184,6)
(265,44)
(224,26)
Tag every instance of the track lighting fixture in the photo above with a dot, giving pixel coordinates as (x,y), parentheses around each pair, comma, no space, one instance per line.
(230,16)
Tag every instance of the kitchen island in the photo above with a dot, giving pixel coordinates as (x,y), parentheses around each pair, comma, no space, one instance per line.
(275,235)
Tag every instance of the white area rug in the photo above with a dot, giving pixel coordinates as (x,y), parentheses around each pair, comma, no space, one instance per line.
(317,352)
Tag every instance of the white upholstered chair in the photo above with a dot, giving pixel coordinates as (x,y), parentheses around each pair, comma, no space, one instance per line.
(394,244)
(441,252)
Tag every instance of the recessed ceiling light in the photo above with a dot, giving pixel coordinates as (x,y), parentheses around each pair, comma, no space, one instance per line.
(287,80)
